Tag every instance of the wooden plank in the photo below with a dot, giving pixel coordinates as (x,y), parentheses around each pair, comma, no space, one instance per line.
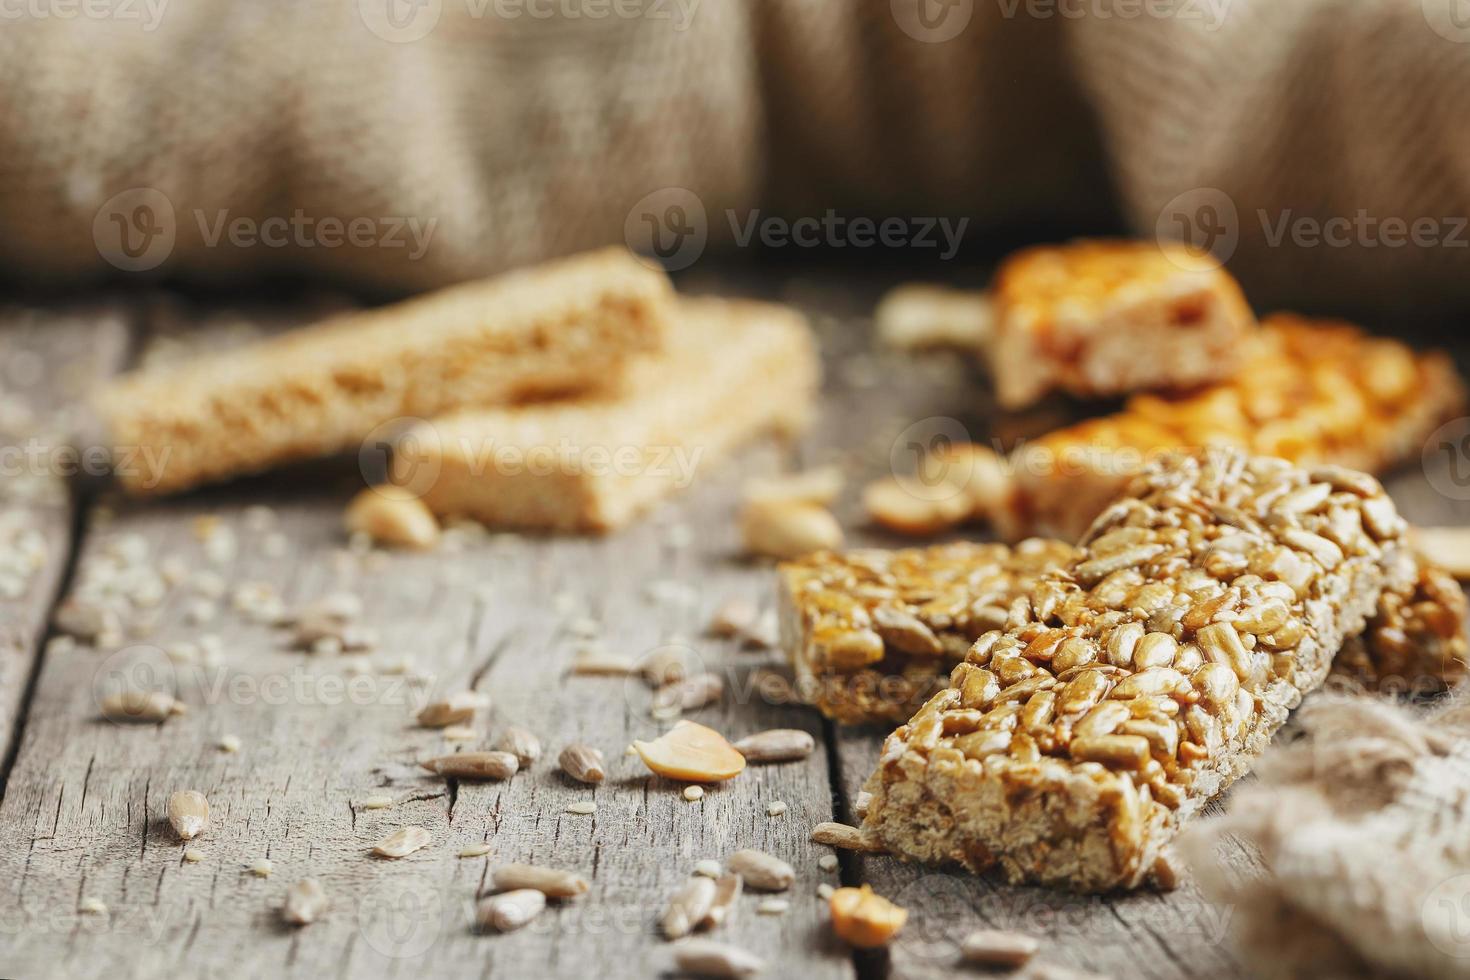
(86,802)
(49,360)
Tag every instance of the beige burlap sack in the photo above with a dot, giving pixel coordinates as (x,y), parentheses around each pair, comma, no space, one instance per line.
(1363,826)
(463,136)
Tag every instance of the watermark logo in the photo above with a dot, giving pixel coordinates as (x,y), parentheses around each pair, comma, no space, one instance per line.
(923,461)
(400,21)
(404,452)
(135,230)
(1445,915)
(932,21)
(1450,19)
(948,908)
(1446,459)
(1204,220)
(402,919)
(668,229)
(134,671)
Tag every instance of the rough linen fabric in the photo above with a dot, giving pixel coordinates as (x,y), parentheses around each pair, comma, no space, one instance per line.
(526,128)
(1364,830)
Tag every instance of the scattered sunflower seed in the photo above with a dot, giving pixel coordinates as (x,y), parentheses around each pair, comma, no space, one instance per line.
(188,813)
(453,710)
(376,802)
(860,805)
(582,763)
(521,743)
(824,891)
(733,617)
(722,906)
(776,808)
(704,957)
(761,871)
(305,902)
(473,765)
(689,694)
(551,882)
(229,743)
(92,906)
(402,843)
(193,855)
(262,868)
(591,662)
(460,733)
(582,807)
(828,862)
(392,515)
(773,906)
(996,947)
(709,868)
(509,910)
(474,850)
(140,707)
(844,836)
(693,793)
(776,745)
(690,904)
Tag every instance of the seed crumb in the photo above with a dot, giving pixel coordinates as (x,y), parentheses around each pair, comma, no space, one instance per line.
(773,906)
(229,743)
(776,808)
(824,891)
(92,906)
(459,733)
(693,793)
(377,802)
(262,868)
(582,808)
(709,868)
(828,862)
(474,850)
(193,855)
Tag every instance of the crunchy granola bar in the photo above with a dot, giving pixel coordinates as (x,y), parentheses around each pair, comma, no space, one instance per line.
(1139,681)
(1310,391)
(1107,317)
(926,606)
(872,634)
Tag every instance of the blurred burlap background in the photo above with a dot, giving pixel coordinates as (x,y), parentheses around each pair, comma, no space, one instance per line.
(524,135)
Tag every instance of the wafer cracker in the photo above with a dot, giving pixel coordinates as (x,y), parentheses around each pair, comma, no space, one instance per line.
(565,326)
(731,369)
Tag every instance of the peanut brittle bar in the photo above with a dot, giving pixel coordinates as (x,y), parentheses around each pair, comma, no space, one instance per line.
(731,369)
(1099,318)
(1143,678)
(566,326)
(872,634)
(1310,391)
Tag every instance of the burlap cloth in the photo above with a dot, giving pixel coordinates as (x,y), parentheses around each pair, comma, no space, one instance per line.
(524,135)
(1364,828)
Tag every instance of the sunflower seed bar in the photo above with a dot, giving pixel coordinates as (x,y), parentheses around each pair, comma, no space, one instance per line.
(1310,391)
(1133,685)
(1099,318)
(871,634)
(831,605)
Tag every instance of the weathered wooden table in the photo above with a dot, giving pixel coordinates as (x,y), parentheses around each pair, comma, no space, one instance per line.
(83,808)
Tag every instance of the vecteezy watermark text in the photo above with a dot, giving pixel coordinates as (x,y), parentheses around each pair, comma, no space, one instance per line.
(307,231)
(147,13)
(833,230)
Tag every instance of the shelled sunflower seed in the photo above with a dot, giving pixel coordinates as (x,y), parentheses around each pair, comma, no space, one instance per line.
(509,911)
(706,958)
(582,763)
(551,882)
(188,813)
(305,902)
(473,765)
(997,947)
(776,745)
(454,710)
(402,842)
(761,871)
(690,904)
(141,707)
(728,888)
(843,836)
(519,742)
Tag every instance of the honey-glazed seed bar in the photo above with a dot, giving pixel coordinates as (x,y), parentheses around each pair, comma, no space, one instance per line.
(1099,318)
(871,634)
(1137,682)
(1310,391)
(731,369)
(566,326)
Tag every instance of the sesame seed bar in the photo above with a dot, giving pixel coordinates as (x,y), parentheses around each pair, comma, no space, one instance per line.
(1100,318)
(565,326)
(872,634)
(1310,391)
(1133,685)
(731,369)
